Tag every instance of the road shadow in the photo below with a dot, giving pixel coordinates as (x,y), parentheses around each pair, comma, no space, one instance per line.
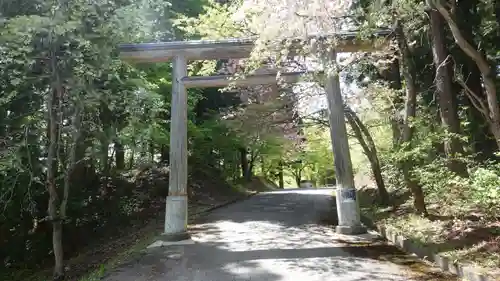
(214,262)
(273,236)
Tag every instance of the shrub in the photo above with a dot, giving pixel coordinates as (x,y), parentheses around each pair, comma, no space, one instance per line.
(485,188)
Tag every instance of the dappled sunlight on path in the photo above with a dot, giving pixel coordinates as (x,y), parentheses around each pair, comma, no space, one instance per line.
(272,236)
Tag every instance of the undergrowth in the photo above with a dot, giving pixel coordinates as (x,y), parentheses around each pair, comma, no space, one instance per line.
(464,211)
(464,215)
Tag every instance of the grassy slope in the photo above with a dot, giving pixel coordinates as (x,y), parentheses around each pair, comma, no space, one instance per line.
(462,235)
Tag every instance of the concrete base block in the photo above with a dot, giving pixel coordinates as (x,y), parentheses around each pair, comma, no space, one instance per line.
(348,212)
(160,243)
(175,237)
(366,238)
(351,230)
(176,218)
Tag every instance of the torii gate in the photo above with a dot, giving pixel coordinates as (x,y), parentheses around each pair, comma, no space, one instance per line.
(182,51)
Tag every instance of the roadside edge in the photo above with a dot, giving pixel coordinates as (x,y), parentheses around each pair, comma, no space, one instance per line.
(426,253)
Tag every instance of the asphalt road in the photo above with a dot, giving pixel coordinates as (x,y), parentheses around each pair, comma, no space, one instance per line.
(271,236)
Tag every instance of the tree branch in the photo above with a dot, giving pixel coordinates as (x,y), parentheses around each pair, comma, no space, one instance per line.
(474,98)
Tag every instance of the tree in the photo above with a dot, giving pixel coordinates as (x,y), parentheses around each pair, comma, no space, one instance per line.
(409,74)
(403,14)
(447,101)
(59,55)
(366,141)
(489,108)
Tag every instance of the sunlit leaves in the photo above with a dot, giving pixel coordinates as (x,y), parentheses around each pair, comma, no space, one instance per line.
(217,22)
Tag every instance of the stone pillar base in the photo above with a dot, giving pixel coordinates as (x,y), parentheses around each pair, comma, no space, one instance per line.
(175,219)
(350,230)
(348,212)
(175,237)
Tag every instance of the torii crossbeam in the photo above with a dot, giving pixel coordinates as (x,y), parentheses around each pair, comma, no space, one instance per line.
(180,52)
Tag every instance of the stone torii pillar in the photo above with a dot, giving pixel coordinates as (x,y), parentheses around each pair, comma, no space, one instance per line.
(181,51)
(345,194)
(176,209)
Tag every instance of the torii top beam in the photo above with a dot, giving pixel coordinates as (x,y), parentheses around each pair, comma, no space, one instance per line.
(238,48)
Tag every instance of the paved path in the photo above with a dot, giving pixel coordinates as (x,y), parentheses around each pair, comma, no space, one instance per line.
(270,237)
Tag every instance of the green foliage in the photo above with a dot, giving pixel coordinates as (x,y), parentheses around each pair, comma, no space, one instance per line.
(125,109)
(125,115)
(485,188)
(216,22)
(318,155)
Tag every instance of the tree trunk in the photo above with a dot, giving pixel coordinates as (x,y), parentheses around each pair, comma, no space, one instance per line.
(236,169)
(3,127)
(104,157)
(245,165)
(363,136)
(393,77)
(409,74)
(53,215)
(54,112)
(447,103)
(280,175)
(298,177)
(131,158)
(105,116)
(143,150)
(251,166)
(119,155)
(497,14)
(263,166)
(71,164)
(57,232)
(151,146)
(480,137)
(165,154)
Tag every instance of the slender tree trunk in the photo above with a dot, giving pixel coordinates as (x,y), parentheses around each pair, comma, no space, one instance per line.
(393,77)
(446,99)
(62,148)
(119,155)
(57,237)
(105,117)
(53,108)
(3,127)
(131,159)
(410,110)
(151,147)
(72,160)
(497,15)
(479,133)
(263,166)
(84,169)
(165,154)
(396,132)
(236,168)
(370,150)
(245,167)
(105,172)
(280,175)
(251,166)
(143,150)
(298,177)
